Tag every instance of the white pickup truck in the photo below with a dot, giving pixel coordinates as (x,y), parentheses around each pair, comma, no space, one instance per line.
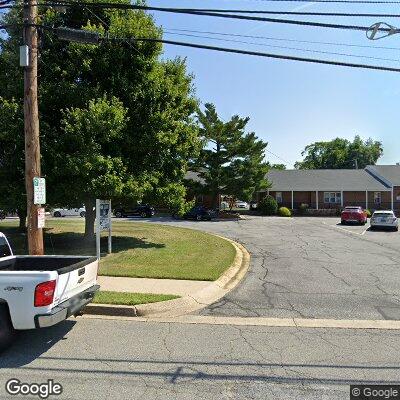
(41,291)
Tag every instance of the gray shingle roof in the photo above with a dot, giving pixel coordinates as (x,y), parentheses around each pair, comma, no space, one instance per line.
(389,172)
(324,180)
(194,176)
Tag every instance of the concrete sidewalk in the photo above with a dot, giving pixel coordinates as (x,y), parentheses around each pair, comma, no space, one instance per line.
(154,286)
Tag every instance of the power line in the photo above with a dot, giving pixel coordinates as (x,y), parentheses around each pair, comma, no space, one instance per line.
(284,39)
(332,1)
(259,54)
(218,15)
(278,157)
(287,48)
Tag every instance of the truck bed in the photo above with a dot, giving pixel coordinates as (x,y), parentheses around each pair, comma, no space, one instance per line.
(61,264)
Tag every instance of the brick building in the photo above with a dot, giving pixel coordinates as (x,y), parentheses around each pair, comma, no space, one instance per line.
(375,187)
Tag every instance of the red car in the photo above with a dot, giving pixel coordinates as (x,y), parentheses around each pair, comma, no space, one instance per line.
(354,214)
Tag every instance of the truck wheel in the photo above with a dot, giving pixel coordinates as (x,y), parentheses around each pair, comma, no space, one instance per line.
(7,332)
(83,214)
(57,214)
(118,214)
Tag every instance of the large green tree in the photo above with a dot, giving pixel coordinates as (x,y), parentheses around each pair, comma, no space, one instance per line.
(12,166)
(159,133)
(231,161)
(340,153)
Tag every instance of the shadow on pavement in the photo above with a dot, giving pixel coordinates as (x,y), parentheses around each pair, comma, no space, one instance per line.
(29,345)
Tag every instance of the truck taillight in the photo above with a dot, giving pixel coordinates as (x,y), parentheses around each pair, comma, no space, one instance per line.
(44,293)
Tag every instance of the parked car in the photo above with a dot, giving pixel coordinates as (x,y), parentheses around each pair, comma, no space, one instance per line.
(199,213)
(142,210)
(41,291)
(354,215)
(242,204)
(69,212)
(384,219)
(2,214)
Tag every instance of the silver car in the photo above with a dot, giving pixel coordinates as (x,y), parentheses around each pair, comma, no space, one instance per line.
(384,219)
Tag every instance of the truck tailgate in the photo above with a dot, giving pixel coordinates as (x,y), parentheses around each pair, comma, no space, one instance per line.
(73,281)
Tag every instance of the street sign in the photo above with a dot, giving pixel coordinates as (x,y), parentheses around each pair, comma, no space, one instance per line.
(103,223)
(41,218)
(39,190)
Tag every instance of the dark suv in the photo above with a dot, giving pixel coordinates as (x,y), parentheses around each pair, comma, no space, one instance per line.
(141,210)
(199,213)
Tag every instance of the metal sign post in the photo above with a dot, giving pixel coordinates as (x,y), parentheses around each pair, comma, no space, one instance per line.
(103,223)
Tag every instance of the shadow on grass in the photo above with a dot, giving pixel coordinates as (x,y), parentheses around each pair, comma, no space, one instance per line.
(75,243)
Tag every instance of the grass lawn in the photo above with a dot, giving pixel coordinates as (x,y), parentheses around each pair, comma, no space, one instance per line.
(130,299)
(139,249)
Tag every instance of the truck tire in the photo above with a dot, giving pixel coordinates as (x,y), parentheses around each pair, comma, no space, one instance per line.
(7,332)
(57,214)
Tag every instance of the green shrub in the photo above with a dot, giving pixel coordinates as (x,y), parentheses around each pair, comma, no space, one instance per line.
(303,208)
(268,205)
(284,212)
(368,212)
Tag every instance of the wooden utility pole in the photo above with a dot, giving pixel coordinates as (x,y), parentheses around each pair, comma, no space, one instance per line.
(31,117)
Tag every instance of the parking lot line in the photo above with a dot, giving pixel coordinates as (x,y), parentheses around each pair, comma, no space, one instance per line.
(346,230)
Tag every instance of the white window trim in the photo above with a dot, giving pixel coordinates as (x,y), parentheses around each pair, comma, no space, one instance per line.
(337,196)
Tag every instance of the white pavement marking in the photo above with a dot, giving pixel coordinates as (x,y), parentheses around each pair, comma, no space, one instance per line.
(346,230)
(264,321)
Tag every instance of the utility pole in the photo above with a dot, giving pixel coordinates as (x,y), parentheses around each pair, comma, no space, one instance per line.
(31,118)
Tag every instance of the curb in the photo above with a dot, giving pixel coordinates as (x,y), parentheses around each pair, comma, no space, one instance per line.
(187,304)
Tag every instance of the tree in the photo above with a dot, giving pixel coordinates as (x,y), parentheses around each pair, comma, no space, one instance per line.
(340,153)
(86,155)
(280,167)
(12,163)
(231,160)
(159,134)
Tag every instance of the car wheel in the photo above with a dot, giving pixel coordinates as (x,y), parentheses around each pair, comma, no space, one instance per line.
(57,214)
(7,331)
(198,217)
(118,214)
(343,222)
(143,215)
(396,229)
(83,214)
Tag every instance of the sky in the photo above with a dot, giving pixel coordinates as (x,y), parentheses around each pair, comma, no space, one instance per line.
(292,104)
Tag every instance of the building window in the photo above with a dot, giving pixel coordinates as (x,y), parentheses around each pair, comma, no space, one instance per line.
(377,197)
(278,197)
(332,197)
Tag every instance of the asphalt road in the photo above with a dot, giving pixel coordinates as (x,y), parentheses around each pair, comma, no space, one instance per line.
(300,267)
(102,359)
(310,268)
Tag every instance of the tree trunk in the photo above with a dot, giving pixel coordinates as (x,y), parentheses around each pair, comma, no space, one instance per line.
(89,219)
(22,220)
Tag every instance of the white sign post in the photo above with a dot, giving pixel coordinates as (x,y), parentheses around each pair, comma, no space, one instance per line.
(103,223)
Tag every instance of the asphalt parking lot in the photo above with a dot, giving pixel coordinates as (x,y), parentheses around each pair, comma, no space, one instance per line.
(310,268)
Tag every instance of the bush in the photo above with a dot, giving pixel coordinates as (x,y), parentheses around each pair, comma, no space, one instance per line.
(303,208)
(268,205)
(284,212)
(368,212)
